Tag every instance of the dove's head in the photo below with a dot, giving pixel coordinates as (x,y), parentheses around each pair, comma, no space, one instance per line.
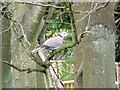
(63,34)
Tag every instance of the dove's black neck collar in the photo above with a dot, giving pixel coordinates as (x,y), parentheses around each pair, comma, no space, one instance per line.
(60,35)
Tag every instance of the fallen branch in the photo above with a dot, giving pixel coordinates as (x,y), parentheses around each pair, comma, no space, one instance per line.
(56,78)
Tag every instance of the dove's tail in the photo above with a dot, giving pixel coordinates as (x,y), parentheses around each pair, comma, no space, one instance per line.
(37,50)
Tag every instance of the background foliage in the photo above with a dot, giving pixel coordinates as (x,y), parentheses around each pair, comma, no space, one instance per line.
(117,18)
(59,22)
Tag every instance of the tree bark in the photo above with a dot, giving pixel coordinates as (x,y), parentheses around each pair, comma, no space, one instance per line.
(6,53)
(29,16)
(0,58)
(97,50)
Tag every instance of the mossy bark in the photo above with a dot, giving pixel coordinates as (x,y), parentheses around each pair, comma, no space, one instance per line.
(30,17)
(97,49)
(6,53)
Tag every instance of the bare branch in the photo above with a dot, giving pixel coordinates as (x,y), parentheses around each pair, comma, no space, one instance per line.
(82,35)
(118,20)
(9,17)
(6,62)
(89,17)
(36,3)
(25,37)
(34,59)
(43,5)
(29,70)
(93,10)
(2,17)
(11,24)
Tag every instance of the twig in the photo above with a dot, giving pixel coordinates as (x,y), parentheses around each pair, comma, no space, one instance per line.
(89,17)
(17,23)
(11,24)
(2,17)
(39,4)
(34,59)
(2,8)
(23,32)
(107,1)
(25,37)
(93,10)
(15,30)
(117,20)
(29,70)
(82,35)
(43,5)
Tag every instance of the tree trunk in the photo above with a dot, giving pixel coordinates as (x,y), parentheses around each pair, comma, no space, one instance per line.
(38,75)
(0,52)
(29,16)
(6,53)
(97,49)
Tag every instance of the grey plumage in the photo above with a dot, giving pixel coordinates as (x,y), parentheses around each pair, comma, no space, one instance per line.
(52,43)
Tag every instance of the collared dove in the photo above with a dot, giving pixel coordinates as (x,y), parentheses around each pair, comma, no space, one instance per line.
(52,43)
